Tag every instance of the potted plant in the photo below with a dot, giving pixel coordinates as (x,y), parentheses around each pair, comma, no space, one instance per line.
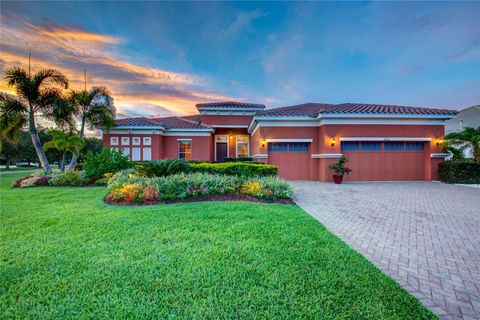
(340,169)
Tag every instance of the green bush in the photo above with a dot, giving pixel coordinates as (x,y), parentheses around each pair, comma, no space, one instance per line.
(106,161)
(101,182)
(69,178)
(459,171)
(162,168)
(241,169)
(117,180)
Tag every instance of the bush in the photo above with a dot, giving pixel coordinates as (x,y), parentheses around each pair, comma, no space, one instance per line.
(125,186)
(108,160)
(69,178)
(162,168)
(101,182)
(459,172)
(241,169)
(31,181)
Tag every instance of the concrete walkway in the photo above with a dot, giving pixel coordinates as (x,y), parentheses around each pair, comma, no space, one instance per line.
(424,235)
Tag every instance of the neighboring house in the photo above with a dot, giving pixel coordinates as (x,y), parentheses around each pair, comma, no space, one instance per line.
(468,117)
(381,142)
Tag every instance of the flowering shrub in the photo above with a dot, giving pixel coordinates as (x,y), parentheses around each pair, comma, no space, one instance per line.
(28,182)
(251,188)
(127,193)
(150,193)
(31,181)
(125,186)
(42,181)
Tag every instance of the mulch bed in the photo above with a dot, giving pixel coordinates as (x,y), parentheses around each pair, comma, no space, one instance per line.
(202,199)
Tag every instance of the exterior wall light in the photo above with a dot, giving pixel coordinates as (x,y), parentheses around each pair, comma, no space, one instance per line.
(263,142)
(332,142)
(440,141)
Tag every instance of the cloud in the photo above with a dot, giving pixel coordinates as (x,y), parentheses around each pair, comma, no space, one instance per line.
(243,22)
(71,49)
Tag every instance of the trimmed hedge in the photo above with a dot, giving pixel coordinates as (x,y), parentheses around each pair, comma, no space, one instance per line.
(242,169)
(459,172)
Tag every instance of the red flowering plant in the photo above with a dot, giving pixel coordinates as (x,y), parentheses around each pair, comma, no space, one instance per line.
(340,167)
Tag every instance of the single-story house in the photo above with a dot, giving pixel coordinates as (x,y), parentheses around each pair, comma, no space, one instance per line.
(381,142)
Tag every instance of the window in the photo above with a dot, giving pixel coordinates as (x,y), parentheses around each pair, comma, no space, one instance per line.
(135,154)
(185,149)
(359,146)
(242,146)
(415,146)
(136,141)
(147,154)
(126,151)
(125,141)
(288,147)
(147,141)
(394,146)
(114,141)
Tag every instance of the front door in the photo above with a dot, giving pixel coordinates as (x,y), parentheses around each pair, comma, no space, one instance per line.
(221,148)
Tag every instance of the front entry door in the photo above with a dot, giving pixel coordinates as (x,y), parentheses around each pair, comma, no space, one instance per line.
(222,148)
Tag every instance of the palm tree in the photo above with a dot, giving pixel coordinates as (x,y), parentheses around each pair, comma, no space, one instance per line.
(64,143)
(36,95)
(470,137)
(94,108)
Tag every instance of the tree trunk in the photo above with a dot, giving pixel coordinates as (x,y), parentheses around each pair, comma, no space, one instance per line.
(42,157)
(73,162)
(62,162)
(7,164)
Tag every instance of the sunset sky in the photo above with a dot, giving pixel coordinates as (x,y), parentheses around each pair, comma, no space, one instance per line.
(161,58)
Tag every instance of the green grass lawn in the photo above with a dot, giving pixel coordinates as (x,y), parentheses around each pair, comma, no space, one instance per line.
(66,254)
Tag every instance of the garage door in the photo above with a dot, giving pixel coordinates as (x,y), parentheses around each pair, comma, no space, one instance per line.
(385,161)
(292,159)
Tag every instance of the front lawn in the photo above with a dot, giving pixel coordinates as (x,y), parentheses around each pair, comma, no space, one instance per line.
(66,254)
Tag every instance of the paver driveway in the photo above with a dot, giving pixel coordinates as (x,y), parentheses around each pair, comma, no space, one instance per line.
(425,235)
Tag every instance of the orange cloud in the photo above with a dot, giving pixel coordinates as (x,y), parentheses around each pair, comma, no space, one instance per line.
(69,50)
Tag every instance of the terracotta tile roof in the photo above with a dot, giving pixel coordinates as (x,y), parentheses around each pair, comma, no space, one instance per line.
(314,109)
(230,104)
(169,123)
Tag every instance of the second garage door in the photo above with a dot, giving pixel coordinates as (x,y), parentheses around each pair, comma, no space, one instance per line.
(385,161)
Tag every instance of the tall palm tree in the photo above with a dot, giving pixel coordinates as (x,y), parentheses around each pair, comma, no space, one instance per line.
(64,143)
(469,137)
(37,94)
(93,108)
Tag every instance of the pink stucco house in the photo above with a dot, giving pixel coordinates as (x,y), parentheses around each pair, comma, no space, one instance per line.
(381,142)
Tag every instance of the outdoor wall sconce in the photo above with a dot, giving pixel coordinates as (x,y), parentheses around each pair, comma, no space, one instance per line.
(263,143)
(439,141)
(332,142)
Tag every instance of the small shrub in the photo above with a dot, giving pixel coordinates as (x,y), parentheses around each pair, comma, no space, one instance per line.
(150,193)
(459,171)
(69,178)
(108,160)
(117,180)
(127,193)
(101,182)
(42,181)
(162,168)
(242,169)
(251,188)
(28,182)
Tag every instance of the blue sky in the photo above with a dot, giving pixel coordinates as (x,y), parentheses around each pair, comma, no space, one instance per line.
(161,58)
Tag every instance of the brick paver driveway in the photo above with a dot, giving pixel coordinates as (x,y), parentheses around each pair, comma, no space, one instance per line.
(425,235)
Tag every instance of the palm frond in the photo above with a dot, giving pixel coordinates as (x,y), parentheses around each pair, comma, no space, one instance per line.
(49,77)
(13,117)
(19,78)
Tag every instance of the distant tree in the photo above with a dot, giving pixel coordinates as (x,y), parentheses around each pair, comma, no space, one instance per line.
(9,152)
(468,138)
(64,143)
(37,94)
(93,108)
